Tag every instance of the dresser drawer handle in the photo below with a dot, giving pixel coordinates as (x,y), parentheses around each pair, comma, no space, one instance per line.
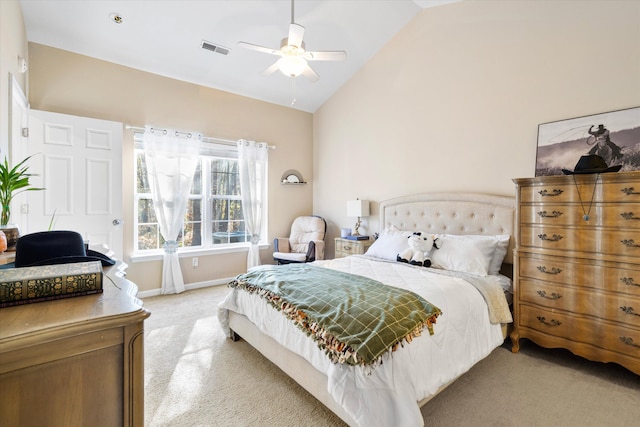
(629,310)
(554,270)
(629,341)
(554,295)
(554,323)
(630,243)
(629,191)
(629,281)
(554,238)
(629,215)
(347,248)
(554,214)
(553,193)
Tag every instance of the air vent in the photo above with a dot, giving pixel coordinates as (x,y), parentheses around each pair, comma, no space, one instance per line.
(215,48)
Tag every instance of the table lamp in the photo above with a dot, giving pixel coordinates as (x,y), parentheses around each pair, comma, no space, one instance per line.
(357,208)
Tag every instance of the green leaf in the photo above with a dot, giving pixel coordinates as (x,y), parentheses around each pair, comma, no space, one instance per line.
(13,181)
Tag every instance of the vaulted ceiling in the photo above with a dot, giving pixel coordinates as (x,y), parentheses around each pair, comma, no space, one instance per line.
(165,37)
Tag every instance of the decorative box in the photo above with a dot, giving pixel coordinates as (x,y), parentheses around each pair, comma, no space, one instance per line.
(34,284)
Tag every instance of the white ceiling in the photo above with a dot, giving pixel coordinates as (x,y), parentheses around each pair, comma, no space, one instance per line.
(164,37)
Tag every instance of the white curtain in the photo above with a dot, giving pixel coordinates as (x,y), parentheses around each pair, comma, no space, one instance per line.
(171,157)
(252,162)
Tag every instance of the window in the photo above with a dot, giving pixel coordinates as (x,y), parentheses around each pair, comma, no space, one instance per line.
(214,211)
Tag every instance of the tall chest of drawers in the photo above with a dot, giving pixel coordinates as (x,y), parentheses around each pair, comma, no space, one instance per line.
(577,265)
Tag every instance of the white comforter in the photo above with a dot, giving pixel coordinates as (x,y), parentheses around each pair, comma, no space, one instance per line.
(388,395)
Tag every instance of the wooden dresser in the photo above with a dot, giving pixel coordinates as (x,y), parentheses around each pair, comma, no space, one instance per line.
(76,361)
(577,280)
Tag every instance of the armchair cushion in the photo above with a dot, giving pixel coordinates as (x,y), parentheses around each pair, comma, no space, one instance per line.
(287,257)
(305,229)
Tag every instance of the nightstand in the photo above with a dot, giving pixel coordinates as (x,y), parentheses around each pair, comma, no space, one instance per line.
(346,247)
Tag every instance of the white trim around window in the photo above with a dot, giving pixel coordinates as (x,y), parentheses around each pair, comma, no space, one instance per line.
(156,255)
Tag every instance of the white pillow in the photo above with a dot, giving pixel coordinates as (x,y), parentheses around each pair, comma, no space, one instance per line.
(499,254)
(395,230)
(389,244)
(468,255)
(502,244)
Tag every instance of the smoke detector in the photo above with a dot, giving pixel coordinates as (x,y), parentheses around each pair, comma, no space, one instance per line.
(116,18)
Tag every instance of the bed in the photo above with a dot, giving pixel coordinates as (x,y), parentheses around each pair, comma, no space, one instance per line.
(469,282)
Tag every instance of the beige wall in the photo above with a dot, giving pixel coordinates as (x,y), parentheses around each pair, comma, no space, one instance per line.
(13,43)
(68,83)
(453,102)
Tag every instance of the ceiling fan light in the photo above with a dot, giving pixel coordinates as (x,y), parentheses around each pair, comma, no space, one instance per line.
(292,66)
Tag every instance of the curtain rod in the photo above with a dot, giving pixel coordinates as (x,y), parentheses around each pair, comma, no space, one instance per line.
(137,129)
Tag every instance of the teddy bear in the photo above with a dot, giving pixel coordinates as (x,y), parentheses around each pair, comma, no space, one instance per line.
(417,253)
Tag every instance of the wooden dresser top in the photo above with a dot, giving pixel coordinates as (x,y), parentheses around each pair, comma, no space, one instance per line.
(34,323)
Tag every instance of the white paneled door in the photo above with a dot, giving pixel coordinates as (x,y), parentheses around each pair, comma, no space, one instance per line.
(79,163)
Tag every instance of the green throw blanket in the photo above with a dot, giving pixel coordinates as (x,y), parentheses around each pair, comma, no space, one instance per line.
(354,319)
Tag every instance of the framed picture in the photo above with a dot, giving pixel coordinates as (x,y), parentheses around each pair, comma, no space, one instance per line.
(614,136)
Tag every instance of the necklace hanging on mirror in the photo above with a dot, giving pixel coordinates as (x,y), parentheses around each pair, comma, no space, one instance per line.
(587,213)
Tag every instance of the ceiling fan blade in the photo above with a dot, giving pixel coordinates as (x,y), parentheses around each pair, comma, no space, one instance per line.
(270,69)
(259,48)
(336,55)
(296,32)
(310,74)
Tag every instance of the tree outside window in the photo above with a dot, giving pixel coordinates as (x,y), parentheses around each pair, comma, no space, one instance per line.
(214,210)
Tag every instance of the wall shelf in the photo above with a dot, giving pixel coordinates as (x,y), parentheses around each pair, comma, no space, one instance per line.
(292,177)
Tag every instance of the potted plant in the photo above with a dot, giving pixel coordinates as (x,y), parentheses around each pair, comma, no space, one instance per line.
(13,181)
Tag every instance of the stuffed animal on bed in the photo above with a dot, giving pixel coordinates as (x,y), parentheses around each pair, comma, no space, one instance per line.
(417,253)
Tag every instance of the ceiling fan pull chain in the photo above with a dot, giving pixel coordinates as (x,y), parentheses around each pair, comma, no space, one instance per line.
(293,91)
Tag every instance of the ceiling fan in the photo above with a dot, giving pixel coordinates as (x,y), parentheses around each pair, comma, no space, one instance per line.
(293,56)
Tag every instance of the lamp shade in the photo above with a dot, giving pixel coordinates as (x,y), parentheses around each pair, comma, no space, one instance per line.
(357,208)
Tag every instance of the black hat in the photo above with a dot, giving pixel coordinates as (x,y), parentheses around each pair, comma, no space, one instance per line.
(591,164)
(55,247)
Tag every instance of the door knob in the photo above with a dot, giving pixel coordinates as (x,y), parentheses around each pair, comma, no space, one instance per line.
(117,222)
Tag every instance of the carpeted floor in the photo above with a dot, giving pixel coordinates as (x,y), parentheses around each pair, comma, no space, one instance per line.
(194,376)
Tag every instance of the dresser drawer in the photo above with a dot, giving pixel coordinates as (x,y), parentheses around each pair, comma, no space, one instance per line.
(605,335)
(563,190)
(576,273)
(594,240)
(552,193)
(623,216)
(607,306)
(346,247)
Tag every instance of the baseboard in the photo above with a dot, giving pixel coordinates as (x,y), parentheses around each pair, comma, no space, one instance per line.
(187,287)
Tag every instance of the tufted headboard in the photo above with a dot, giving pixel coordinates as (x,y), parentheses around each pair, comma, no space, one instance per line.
(452,213)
